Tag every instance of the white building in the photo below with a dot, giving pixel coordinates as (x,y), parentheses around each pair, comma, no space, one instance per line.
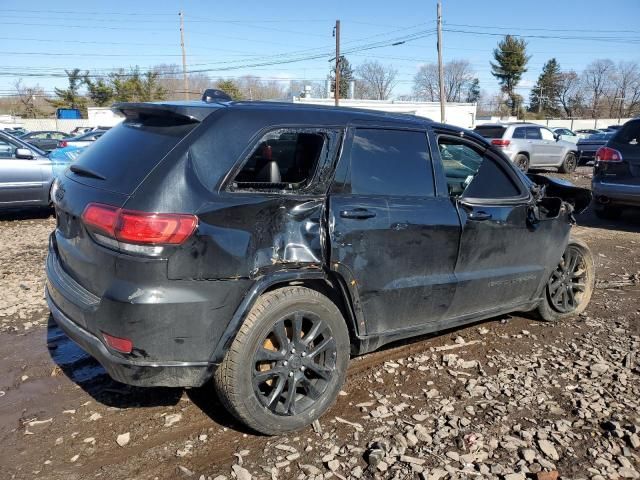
(460,114)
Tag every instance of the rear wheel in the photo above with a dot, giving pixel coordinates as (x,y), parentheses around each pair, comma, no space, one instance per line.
(287,363)
(569,164)
(571,284)
(522,162)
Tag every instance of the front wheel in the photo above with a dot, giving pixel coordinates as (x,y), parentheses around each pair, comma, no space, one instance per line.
(287,363)
(570,285)
(569,163)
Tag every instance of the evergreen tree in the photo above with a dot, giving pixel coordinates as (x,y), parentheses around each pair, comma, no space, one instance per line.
(99,91)
(473,91)
(510,63)
(70,97)
(230,88)
(346,76)
(545,94)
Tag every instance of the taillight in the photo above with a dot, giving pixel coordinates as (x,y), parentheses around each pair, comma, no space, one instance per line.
(123,345)
(606,154)
(62,144)
(143,228)
(498,142)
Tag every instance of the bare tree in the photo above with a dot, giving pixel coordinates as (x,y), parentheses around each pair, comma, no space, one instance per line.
(170,79)
(596,80)
(625,99)
(29,99)
(376,81)
(458,76)
(254,88)
(569,92)
(425,83)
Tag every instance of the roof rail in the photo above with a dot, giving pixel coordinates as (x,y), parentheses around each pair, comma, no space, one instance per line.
(213,95)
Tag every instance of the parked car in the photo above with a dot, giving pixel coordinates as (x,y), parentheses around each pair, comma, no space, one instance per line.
(315,234)
(15,131)
(25,174)
(588,146)
(82,140)
(566,134)
(530,145)
(44,140)
(616,174)
(613,128)
(61,158)
(585,132)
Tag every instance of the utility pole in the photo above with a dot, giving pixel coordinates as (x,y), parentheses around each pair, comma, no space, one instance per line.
(440,67)
(184,58)
(336,89)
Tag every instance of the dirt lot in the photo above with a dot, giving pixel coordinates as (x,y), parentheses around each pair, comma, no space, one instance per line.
(507,398)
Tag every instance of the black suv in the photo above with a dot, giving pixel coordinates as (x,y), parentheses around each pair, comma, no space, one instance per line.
(616,174)
(262,244)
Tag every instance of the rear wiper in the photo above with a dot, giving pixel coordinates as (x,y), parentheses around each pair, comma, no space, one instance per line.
(86,172)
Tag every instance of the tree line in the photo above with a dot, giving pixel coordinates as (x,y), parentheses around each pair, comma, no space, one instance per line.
(602,89)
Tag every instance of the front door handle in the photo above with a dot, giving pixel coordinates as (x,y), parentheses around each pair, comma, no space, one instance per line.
(479,216)
(357,213)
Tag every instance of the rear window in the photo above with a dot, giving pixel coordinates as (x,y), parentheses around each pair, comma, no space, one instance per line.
(128,152)
(629,134)
(490,131)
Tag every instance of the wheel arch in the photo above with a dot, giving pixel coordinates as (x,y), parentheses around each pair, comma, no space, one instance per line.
(330,285)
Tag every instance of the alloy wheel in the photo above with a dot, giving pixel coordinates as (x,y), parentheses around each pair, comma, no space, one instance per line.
(568,282)
(294,364)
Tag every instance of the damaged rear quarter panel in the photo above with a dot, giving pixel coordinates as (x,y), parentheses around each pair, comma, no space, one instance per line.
(246,235)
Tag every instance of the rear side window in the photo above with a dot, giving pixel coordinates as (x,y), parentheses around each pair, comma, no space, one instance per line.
(519,133)
(283,159)
(490,131)
(533,133)
(391,162)
(129,151)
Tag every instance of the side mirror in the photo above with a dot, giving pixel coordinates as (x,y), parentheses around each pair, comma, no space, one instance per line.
(24,154)
(556,136)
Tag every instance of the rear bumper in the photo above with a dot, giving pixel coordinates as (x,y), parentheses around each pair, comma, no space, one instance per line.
(175,326)
(617,193)
(132,372)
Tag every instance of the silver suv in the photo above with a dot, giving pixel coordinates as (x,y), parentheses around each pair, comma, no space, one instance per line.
(530,145)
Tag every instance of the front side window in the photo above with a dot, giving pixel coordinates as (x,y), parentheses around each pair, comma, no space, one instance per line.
(391,162)
(283,159)
(471,174)
(547,134)
(6,149)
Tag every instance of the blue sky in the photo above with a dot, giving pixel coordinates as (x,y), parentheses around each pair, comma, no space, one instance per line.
(40,38)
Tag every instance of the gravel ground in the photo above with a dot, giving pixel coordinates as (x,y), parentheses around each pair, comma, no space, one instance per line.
(510,398)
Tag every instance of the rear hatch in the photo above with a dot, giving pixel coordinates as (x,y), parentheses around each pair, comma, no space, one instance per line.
(626,141)
(108,173)
(490,131)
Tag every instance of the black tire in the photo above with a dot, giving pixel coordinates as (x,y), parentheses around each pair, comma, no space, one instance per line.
(273,383)
(569,163)
(607,212)
(522,162)
(570,286)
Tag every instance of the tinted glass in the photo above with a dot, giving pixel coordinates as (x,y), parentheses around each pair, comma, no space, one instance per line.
(129,151)
(6,149)
(490,131)
(629,134)
(391,162)
(473,175)
(533,133)
(518,133)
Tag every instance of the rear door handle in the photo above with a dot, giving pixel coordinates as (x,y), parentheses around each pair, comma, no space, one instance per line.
(479,216)
(357,213)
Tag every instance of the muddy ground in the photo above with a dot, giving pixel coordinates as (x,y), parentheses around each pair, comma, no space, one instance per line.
(510,398)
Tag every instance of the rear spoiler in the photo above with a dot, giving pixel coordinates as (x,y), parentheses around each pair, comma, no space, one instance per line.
(185,112)
(579,197)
